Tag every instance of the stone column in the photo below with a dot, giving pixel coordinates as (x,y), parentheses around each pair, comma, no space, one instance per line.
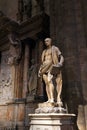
(25,73)
(39,84)
(13,71)
(15,60)
(18,80)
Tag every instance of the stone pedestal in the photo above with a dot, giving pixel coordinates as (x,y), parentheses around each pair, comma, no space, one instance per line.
(52,121)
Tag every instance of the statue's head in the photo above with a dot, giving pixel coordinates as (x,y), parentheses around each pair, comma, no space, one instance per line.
(48,41)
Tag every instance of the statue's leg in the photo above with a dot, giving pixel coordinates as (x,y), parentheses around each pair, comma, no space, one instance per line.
(51,87)
(51,90)
(59,87)
(45,78)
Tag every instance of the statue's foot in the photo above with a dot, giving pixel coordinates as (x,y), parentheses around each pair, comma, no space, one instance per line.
(50,101)
(59,103)
(47,101)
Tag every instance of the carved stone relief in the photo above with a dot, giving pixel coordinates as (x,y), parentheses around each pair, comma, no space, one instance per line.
(6,90)
(15,49)
(32,80)
(14,59)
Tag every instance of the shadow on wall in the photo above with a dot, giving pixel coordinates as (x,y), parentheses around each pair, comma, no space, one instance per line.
(74,102)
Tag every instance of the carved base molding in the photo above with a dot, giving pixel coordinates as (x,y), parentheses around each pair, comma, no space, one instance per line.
(52,121)
(47,107)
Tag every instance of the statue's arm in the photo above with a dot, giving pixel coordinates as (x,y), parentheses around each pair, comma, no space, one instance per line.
(60,56)
(61,61)
(42,57)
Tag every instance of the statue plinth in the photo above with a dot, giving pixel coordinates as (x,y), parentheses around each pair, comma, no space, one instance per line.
(47,107)
(51,116)
(51,121)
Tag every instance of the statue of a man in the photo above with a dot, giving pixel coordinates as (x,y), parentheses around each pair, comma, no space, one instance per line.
(51,58)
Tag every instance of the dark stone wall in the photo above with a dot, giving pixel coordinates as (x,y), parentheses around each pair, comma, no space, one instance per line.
(68,24)
(9,7)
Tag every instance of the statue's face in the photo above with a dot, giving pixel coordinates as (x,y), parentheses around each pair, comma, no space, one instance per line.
(48,42)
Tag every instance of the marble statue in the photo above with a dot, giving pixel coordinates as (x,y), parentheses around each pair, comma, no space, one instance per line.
(50,69)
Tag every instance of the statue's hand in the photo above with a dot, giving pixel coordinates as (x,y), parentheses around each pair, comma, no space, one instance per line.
(58,65)
(39,74)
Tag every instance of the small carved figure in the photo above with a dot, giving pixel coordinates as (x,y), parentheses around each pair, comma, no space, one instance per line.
(32,83)
(15,49)
(52,61)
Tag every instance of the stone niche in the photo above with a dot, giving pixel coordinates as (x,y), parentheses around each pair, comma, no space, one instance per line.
(15,100)
(10,71)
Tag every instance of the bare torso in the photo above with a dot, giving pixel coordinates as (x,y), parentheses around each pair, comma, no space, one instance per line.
(48,55)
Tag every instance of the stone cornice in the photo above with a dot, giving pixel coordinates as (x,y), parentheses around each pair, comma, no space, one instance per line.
(6,25)
(34,25)
(29,28)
